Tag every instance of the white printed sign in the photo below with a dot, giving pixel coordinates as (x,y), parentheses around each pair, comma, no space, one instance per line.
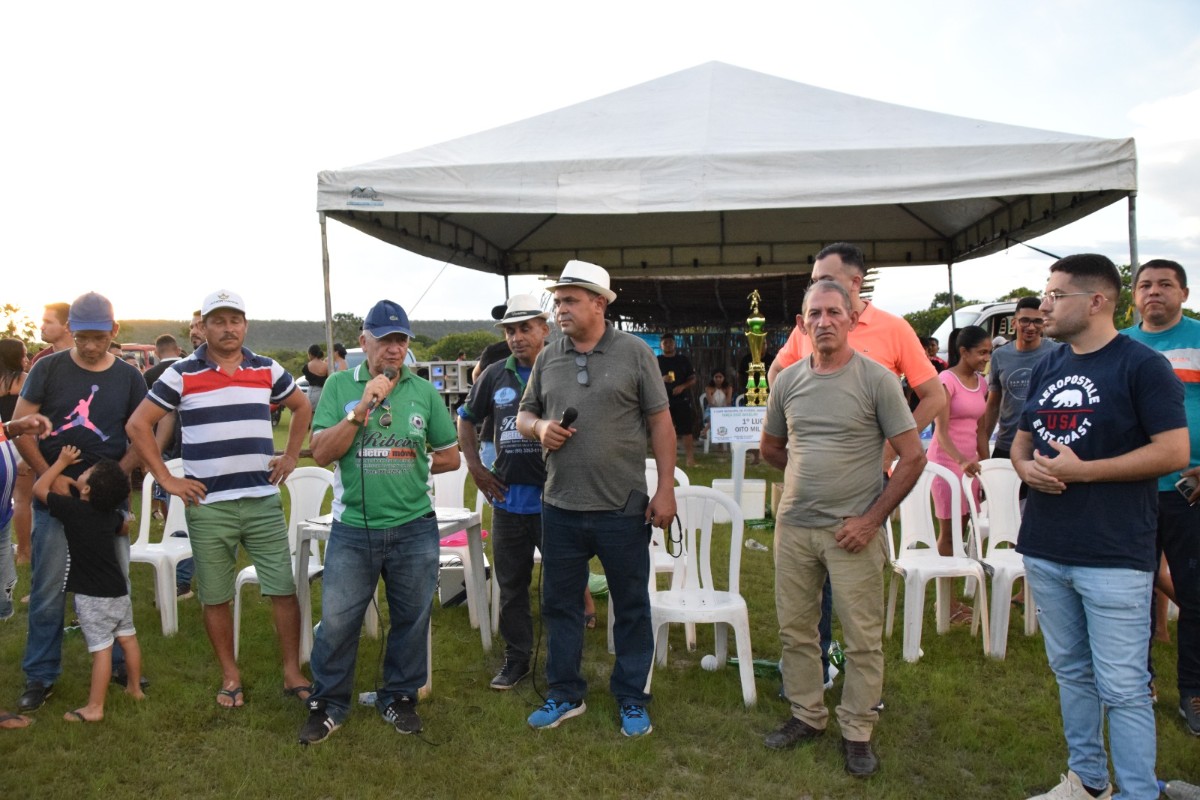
(731,424)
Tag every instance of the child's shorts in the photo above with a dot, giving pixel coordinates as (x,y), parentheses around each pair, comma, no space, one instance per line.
(103,619)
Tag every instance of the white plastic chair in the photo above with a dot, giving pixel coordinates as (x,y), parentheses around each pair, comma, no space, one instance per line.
(1000,560)
(307,487)
(164,556)
(449,491)
(699,601)
(917,561)
(661,559)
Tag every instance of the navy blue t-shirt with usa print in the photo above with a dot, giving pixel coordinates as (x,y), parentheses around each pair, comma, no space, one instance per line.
(1101,405)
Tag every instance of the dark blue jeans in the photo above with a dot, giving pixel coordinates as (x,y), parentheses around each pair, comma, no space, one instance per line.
(514,537)
(1179,541)
(825,627)
(406,557)
(622,542)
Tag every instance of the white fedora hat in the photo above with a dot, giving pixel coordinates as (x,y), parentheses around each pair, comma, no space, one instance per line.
(520,308)
(585,276)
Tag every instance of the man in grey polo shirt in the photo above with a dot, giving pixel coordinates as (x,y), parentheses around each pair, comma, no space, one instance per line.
(594,503)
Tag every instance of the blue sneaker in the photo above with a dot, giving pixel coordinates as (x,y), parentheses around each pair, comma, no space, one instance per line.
(553,712)
(634,720)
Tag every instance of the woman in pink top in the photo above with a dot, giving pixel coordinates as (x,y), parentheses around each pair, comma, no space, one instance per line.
(959,441)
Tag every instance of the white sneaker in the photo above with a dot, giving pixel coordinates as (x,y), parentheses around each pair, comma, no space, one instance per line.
(1071,788)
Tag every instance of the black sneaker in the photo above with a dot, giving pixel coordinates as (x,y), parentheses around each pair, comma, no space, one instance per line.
(1189,709)
(318,726)
(510,674)
(402,713)
(791,733)
(35,696)
(183,591)
(861,761)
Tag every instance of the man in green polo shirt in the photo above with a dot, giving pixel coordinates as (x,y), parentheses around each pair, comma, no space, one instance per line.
(379,422)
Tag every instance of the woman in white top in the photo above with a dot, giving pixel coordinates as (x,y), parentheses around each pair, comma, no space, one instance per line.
(718,391)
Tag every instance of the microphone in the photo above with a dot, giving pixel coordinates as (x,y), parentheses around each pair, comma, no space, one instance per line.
(391,374)
(569,416)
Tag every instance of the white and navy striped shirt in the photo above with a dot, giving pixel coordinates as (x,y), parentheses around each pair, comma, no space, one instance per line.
(225,420)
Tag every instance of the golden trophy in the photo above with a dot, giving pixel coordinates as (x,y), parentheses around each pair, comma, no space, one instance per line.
(756,380)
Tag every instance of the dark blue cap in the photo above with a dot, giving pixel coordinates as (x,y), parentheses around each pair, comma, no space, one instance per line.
(91,312)
(384,318)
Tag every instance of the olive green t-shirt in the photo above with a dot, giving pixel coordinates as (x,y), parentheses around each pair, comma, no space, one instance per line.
(835,426)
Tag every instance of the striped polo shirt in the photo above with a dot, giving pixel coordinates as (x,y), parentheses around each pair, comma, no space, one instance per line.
(225,420)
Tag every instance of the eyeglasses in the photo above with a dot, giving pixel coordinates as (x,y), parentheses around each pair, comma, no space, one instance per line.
(1036,322)
(385,421)
(581,362)
(1054,297)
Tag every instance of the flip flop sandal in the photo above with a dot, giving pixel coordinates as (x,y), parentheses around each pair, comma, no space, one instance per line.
(75,716)
(295,691)
(233,694)
(20,718)
(589,621)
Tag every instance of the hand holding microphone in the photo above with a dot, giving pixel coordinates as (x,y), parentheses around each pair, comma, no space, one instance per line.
(557,433)
(390,374)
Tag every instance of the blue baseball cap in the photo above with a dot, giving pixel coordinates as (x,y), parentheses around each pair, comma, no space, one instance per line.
(91,312)
(384,318)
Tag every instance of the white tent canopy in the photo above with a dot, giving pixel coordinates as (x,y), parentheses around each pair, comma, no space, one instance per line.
(723,171)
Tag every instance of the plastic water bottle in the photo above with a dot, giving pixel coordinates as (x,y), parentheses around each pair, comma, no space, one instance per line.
(1179,790)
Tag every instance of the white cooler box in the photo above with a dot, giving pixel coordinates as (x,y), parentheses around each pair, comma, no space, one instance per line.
(754,497)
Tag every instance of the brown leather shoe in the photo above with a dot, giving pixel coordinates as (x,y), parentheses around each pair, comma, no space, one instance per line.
(861,761)
(790,734)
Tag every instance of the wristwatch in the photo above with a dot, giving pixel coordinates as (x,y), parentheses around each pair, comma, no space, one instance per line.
(353,420)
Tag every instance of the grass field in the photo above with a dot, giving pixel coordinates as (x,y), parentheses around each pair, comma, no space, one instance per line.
(956,724)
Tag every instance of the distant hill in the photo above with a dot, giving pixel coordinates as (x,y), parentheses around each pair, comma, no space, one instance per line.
(282,334)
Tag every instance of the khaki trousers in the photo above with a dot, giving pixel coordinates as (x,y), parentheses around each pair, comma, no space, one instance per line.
(803,556)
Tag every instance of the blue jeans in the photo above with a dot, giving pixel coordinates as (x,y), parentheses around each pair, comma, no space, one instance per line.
(1096,626)
(48,601)
(825,628)
(1179,541)
(8,571)
(622,542)
(406,557)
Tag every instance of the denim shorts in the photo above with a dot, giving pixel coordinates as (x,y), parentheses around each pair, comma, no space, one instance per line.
(103,619)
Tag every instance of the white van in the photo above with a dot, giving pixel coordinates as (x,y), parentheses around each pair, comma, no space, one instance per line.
(995,318)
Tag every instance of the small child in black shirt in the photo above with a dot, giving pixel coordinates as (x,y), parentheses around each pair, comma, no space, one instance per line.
(93,572)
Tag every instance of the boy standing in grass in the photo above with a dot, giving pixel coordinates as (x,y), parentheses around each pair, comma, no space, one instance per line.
(93,573)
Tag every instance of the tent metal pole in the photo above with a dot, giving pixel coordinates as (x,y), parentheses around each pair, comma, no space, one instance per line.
(950,273)
(1133,246)
(328,298)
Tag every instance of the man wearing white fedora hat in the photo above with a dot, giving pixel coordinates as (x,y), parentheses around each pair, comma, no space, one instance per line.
(513,484)
(594,503)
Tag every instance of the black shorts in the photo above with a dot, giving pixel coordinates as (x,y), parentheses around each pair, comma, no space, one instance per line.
(683,419)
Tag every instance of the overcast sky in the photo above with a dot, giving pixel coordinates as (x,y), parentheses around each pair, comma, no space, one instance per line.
(158,151)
